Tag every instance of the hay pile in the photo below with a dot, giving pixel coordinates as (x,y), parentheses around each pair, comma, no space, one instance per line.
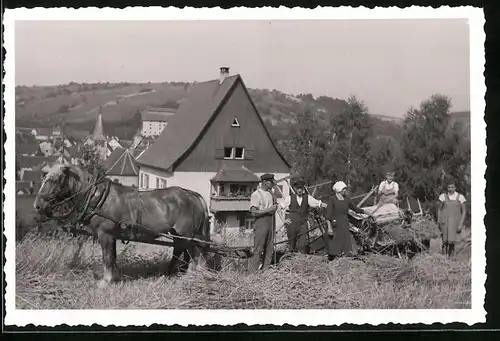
(306,282)
(395,237)
(59,273)
(425,228)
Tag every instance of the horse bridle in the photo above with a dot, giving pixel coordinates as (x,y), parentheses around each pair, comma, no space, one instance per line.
(89,193)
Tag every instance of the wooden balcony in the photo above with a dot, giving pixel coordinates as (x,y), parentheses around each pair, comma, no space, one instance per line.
(230,203)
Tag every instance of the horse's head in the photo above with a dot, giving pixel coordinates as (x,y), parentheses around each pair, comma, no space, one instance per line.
(60,183)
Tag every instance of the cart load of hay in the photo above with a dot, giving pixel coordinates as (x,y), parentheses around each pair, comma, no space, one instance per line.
(392,231)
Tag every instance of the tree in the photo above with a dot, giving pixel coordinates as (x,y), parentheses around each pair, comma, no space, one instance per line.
(90,159)
(433,149)
(348,155)
(304,146)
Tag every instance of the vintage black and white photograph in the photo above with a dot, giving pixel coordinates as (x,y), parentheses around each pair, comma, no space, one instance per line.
(244,166)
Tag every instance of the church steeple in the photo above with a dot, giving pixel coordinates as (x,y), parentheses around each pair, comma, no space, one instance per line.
(98,134)
(98,137)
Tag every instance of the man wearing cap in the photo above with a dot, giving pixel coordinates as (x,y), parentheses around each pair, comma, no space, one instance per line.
(298,205)
(263,207)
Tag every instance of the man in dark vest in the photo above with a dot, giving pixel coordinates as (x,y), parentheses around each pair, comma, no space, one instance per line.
(298,205)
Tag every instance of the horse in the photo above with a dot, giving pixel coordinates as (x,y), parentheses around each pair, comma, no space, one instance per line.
(103,206)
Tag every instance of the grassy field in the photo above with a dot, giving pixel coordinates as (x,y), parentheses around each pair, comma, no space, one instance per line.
(61,272)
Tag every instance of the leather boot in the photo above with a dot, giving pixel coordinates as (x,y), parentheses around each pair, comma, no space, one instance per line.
(444,248)
(451,250)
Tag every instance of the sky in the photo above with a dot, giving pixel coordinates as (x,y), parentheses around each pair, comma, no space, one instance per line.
(391,65)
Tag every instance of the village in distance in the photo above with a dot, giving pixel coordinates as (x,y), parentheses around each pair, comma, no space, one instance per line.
(148,136)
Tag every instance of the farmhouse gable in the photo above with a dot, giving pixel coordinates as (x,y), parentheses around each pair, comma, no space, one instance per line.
(208,125)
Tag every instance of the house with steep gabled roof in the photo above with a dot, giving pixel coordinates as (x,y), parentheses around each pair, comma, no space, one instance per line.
(216,128)
(28,149)
(32,176)
(121,167)
(154,120)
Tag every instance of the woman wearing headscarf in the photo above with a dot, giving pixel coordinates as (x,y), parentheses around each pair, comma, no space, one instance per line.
(337,210)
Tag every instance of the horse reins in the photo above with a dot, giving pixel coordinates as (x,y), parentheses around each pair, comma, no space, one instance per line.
(89,192)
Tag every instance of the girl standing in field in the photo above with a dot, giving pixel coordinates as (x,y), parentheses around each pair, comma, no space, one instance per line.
(337,209)
(388,190)
(451,215)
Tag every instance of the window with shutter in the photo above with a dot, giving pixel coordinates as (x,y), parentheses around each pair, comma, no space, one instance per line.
(242,219)
(239,153)
(219,153)
(249,153)
(228,153)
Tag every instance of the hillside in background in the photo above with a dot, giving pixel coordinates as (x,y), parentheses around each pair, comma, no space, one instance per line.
(78,104)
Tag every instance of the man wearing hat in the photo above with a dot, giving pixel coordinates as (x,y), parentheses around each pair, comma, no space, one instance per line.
(263,207)
(298,205)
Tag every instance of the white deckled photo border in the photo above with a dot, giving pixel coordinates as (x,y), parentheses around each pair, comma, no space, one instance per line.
(476,314)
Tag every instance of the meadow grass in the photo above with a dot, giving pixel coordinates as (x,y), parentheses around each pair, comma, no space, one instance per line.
(61,272)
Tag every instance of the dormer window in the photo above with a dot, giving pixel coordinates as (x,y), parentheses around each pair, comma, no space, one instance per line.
(235,123)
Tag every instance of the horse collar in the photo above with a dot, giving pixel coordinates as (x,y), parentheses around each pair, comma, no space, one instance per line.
(88,212)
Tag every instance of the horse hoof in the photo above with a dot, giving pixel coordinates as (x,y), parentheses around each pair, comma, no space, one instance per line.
(102,284)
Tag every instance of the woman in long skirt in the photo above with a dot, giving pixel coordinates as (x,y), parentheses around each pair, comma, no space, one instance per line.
(451,216)
(337,209)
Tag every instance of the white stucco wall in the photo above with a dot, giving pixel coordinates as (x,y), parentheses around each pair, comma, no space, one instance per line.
(153,128)
(200,182)
(195,181)
(126,180)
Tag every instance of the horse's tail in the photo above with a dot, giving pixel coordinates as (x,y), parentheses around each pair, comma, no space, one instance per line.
(203,227)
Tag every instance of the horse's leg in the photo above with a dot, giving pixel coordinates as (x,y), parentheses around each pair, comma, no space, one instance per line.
(178,250)
(108,246)
(199,256)
(200,250)
(187,259)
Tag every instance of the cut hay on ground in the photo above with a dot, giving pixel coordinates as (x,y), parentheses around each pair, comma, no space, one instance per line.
(62,273)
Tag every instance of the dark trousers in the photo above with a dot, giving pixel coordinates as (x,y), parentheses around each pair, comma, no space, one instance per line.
(297,236)
(263,243)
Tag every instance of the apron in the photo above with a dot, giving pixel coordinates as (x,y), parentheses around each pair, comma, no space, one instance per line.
(387,199)
(451,214)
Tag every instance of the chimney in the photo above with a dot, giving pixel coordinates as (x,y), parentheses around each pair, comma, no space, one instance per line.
(224,72)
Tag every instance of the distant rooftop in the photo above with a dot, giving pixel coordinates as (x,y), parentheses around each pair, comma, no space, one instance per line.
(158,114)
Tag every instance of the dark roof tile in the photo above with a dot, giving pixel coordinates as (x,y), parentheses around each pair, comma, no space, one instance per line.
(183,128)
(235,174)
(26,148)
(161,114)
(26,161)
(121,163)
(194,114)
(30,175)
